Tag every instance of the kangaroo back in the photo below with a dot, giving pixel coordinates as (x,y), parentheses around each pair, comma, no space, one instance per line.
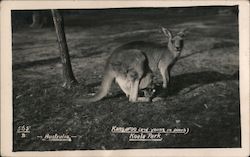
(153,51)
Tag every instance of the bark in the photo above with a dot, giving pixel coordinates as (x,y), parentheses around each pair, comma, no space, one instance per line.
(68,75)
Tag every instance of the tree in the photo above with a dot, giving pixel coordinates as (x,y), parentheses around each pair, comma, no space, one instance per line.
(68,75)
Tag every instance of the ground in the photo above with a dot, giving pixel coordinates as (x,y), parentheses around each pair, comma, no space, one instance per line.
(203,95)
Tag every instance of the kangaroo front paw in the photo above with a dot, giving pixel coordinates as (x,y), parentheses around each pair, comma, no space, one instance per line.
(164,86)
(132,99)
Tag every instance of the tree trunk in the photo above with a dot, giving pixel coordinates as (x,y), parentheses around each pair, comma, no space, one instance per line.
(68,75)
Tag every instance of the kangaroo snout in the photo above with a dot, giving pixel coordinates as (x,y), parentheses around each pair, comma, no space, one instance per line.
(178,48)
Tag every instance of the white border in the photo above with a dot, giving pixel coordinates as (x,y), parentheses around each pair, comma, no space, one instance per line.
(6,77)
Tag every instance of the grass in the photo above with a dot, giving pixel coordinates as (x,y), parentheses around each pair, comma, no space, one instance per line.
(203,95)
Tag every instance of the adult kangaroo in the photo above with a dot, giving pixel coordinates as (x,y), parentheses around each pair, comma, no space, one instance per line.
(129,68)
(161,57)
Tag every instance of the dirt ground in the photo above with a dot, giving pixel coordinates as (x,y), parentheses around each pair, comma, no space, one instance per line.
(203,95)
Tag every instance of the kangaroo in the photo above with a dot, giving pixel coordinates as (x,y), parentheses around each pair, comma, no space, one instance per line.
(129,68)
(159,56)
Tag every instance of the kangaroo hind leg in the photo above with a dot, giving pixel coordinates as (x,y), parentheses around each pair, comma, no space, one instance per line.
(134,90)
(135,78)
(134,93)
(124,85)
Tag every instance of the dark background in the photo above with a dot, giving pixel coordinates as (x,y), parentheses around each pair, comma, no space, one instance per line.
(203,94)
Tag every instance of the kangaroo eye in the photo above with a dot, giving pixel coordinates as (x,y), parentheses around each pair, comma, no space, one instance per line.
(181,43)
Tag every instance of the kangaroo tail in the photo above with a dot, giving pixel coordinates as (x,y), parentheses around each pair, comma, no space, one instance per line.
(103,90)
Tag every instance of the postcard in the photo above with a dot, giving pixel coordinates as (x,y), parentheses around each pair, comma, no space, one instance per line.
(125,78)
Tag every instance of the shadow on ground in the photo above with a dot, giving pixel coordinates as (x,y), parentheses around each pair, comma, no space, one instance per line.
(183,81)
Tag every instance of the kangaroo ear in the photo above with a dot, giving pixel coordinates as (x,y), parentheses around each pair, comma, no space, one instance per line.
(166,32)
(183,32)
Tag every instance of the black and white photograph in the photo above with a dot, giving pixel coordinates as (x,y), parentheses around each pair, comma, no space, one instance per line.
(126,78)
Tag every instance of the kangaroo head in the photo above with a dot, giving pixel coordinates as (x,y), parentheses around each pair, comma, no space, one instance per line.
(175,43)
